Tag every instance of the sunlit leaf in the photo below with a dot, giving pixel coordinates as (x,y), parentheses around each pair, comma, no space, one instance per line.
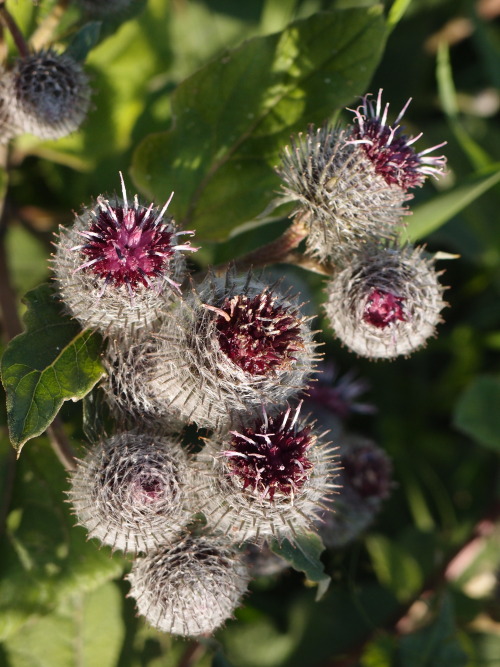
(304,555)
(477,413)
(51,362)
(233,116)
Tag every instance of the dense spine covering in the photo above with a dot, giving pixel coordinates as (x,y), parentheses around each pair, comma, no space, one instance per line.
(386,303)
(120,264)
(132,491)
(47,94)
(267,479)
(190,588)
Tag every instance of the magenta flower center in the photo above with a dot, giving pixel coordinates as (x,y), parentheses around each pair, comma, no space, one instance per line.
(387,148)
(147,489)
(368,471)
(271,457)
(127,246)
(257,335)
(383,308)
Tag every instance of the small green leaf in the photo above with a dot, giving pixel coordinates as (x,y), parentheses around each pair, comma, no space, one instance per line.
(234,116)
(304,555)
(477,413)
(51,362)
(430,215)
(84,41)
(436,644)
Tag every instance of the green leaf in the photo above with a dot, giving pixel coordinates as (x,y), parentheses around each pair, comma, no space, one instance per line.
(84,41)
(477,413)
(44,558)
(395,566)
(434,645)
(51,362)
(233,116)
(87,630)
(430,215)
(304,555)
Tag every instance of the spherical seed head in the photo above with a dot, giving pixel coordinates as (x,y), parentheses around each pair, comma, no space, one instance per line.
(389,149)
(365,480)
(119,264)
(266,479)
(189,588)
(217,355)
(349,203)
(386,303)
(132,491)
(50,93)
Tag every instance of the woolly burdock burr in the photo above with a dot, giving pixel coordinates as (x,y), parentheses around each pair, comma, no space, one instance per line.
(47,93)
(267,479)
(119,264)
(386,303)
(355,181)
(132,491)
(230,346)
(365,481)
(189,588)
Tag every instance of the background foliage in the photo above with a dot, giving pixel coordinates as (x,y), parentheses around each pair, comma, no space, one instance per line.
(183,101)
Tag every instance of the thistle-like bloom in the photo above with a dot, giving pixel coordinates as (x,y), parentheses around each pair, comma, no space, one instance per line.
(365,481)
(386,303)
(132,491)
(267,479)
(354,182)
(47,94)
(190,588)
(119,264)
(229,347)
(390,150)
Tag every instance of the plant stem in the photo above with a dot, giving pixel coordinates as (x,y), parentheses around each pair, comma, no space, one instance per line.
(13,28)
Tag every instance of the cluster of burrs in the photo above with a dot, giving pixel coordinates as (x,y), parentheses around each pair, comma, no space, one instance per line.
(229,355)
(350,186)
(233,356)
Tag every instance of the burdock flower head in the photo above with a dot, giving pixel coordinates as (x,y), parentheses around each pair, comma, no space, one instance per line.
(131,491)
(190,588)
(365,481)
(266,479)
(386,303)
(119,263)
(230,346)
(353,183)
(48,94)
(389,149)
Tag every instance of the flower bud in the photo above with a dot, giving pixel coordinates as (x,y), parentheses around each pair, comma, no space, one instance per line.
(47,93)
(132,491)
(229,347)
(365,481)
(267,479)
(386,303)
(189,588)
(119,264)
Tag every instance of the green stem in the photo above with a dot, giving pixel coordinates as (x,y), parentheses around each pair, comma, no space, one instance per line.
(13,28)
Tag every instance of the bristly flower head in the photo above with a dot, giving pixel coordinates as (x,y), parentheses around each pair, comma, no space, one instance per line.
(230,346)
(131,493)
(48,94)
(347,201)
(266,479)
(365,481)
(386,303)
(189,588)
(114,264)
(391,151)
